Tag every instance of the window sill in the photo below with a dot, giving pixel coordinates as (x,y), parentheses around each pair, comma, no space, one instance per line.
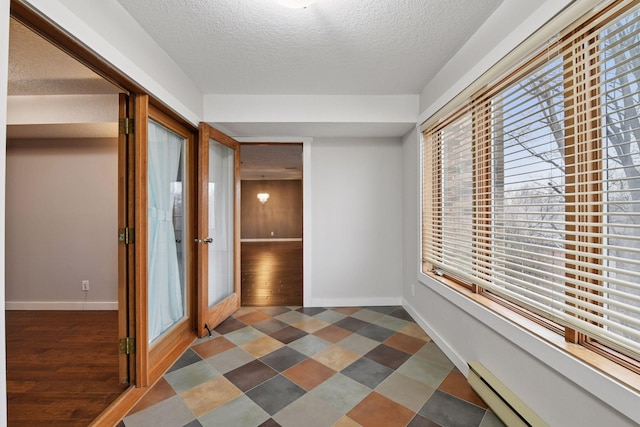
(607,367)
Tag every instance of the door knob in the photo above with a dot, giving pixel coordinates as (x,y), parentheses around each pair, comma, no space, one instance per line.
(197,240)
(208,239)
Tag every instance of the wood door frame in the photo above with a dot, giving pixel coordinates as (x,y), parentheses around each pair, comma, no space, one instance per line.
(229,305)
(156,358)
(140,375)
(126,251)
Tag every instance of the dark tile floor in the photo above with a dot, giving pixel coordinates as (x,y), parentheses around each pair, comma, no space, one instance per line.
(292,366)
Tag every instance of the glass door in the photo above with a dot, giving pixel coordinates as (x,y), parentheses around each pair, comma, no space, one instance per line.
(166,228)
(218,235)
(166,221)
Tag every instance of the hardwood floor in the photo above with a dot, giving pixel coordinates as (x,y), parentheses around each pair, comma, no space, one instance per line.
(62,366)
(271,273)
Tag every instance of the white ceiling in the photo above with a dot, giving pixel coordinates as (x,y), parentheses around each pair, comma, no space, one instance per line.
(334,47)
(257,47)
(38,68)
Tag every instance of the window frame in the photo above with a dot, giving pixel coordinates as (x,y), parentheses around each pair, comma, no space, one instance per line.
(587,102)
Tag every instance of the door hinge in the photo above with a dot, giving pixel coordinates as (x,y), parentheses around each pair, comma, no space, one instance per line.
(125,235)
(125,126)
(127,345)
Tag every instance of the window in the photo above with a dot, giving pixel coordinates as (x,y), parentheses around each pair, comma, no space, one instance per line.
(450,213)
(531,188)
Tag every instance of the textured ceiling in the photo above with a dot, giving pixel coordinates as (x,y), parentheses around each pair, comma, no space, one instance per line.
(36,67)
(334,47)
(353,47)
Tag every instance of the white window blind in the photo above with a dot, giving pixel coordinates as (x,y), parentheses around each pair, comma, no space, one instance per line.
(535,190)
(450,217)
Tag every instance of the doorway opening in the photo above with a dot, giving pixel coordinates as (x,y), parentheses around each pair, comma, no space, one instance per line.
(62,278)
(271,224)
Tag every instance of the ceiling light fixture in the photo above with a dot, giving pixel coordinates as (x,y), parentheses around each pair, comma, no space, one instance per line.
(296,4)
(263,197)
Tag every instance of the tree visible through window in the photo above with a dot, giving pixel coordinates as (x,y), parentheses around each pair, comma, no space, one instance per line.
(534,189)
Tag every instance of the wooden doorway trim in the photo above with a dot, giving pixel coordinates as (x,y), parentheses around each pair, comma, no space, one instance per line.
(307,190)
(126,253)
(139,101)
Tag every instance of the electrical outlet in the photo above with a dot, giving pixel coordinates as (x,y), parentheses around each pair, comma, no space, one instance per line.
(413,290)
(85,285)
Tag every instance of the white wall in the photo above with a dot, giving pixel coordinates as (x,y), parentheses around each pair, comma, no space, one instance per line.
(61,219)
(561,389)
(325,116)
(357,221)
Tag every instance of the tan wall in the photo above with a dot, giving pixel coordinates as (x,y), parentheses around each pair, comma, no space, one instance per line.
(281,215)
(61,221)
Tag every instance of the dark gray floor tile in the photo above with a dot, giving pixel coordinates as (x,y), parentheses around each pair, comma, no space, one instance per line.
(229,325)
(189,357)
(375,332)
(311,311)
(250,375)
(275,394)
(283,358)
(288,334)
(420,421)
(401,313)
(269,326)
(383,309)
(351,324)
(270,423)
(367,372)
(450,411)
(388,356)
(194,423)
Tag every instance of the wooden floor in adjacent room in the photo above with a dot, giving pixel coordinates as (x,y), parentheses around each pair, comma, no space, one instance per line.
(271,273)
(62,366)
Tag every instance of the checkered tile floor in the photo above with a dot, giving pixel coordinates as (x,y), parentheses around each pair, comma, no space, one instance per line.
(292,366)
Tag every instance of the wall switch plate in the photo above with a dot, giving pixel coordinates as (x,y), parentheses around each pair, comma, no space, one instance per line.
(85,285)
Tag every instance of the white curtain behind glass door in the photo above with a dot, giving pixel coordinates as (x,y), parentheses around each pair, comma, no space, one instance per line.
(166,288)
(221,180)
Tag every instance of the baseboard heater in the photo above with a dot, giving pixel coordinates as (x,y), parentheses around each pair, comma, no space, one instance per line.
(506,405)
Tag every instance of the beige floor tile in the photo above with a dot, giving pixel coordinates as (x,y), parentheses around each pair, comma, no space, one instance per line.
(209,395)
(336,357)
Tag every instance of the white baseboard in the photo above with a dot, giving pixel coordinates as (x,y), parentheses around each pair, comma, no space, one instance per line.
(355,302)
(460,363)
(60,305)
